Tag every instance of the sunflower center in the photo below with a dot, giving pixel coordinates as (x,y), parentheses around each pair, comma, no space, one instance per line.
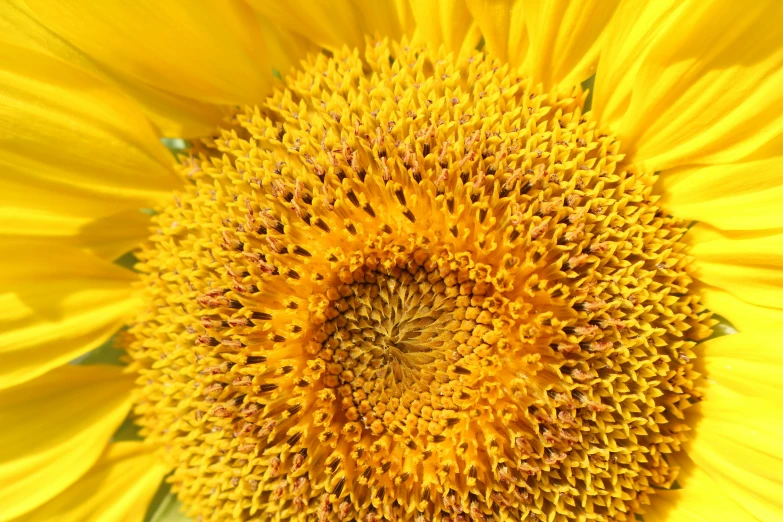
(404,288)
(404,344)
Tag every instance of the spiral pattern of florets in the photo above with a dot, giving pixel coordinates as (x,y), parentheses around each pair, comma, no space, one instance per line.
(408,289)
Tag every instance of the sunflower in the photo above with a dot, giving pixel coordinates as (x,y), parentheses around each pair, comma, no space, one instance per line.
(411,261)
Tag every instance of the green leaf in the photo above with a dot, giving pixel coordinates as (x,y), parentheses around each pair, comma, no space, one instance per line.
(175,145)
(588,85)
(127,260)
(128,431)
(724,327)
(165,507)
(107,353)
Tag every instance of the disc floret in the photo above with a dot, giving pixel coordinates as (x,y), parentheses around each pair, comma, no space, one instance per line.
(409,289)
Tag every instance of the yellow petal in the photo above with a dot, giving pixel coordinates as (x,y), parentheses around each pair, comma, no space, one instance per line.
(628,36)
(54,428)
(118,488)
(565,39)
(207,51)
(68,217)
(706,89)
(286,48)
(56,304)
(391,19)
(737,442)
(743,315)
(738,196)
(747,364)
(339,23)
(335,24)
(748,265)
(327,24)
(405,14)
(502,24)
(72,149)
(173,115)
(447,23)
(299,27)
(113,236)
(696,501)
(20,28)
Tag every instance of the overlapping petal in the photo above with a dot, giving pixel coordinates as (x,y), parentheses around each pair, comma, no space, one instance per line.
(737,444)
(447,23)
(332,25)
(73,151)
(698,500)
(502,24)
(633,29)
(54,428)
(743,315)
(565,39)
(56,304)
(118,488)
(747,265)
(173,114)
(745,195)
(747,364)
(701,81)
(213,53)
